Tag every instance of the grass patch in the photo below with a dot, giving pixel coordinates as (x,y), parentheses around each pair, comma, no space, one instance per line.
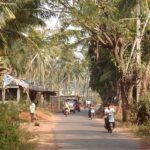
(27,142)
(144,130)
(29,146)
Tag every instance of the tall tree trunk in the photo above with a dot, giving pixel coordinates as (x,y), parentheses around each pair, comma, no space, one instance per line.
(124,100)
(138,51)
(130,93)
(126,97)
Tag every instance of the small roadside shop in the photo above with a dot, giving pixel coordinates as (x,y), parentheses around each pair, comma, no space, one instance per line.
(16,89)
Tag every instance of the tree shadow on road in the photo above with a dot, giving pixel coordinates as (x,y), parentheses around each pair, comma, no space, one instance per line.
(96,142)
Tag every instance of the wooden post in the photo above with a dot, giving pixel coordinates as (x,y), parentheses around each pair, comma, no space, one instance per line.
(18,94)
(3,95)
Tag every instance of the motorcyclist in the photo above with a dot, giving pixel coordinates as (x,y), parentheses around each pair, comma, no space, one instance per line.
(109,116)
(91,111)
(77,106)
(66,106)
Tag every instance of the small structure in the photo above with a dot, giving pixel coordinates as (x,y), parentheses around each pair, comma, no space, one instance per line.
(12,92)
(15,92)
(15,89)
(37,94)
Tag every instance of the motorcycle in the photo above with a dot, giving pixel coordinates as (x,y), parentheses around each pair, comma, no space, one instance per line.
(66,112)
(109,125)
(78,107)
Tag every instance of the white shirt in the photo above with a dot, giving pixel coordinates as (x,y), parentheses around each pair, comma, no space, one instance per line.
(92,111)
(32,108)
(110,113)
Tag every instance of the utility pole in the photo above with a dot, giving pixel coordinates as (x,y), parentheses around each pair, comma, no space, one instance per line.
(138,50)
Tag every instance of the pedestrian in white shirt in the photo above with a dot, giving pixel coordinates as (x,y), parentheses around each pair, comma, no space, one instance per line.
(32,111)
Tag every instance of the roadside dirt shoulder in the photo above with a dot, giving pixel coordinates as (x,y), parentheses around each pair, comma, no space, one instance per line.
(44,137)
(145,144)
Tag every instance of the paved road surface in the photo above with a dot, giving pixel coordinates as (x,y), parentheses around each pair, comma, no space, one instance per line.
(77,132)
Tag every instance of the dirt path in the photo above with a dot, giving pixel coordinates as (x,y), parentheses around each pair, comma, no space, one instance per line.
(46,136)
(43,135)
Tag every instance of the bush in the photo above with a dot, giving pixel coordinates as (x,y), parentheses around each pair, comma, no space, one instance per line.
(140,112)
(144,130)
(23,105)
(143,111)
(11,136)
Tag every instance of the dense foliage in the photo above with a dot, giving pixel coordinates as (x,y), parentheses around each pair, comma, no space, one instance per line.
(105,31)
(144,130)
(10,138)
(17,18)
(143,111)
(103,77)
(112,28)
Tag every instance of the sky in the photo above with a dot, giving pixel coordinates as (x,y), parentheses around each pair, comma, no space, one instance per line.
(53,23)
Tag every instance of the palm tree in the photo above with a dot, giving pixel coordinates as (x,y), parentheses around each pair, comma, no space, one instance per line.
(16,19)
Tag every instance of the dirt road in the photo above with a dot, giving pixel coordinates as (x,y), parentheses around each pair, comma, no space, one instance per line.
(77,132)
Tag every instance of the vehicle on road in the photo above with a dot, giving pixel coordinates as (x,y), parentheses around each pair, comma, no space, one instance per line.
(72,105)
(72,102)
(91,113)
(109,118)
(109,127)
(77,105)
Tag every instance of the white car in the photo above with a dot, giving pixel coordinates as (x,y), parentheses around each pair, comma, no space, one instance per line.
(72,105)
